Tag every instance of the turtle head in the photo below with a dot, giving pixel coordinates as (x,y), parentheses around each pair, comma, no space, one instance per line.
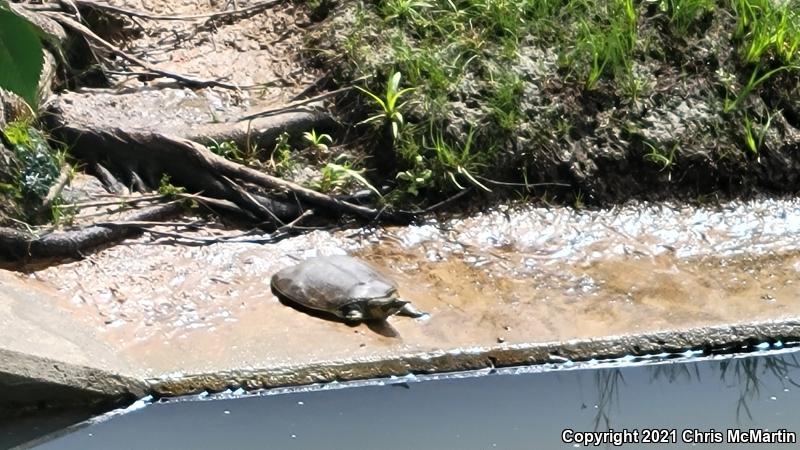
(381,308)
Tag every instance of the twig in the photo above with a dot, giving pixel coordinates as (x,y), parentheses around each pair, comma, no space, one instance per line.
(143,15)
(293,105)
(291,225)
(189,81)
(446,201)
(508,183)
(120,200)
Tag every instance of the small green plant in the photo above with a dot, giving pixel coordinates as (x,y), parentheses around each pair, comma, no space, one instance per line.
(228,150)
(753,82)
(389,106)
(318,141)
(165,187)
(35,167)
(607,48)
(281,160)
(337,176)
(38,166)
(754,134)
(504,101)
(683,14)
(767,30)
(417,178)
(456,162)
(405,10)
(663,158)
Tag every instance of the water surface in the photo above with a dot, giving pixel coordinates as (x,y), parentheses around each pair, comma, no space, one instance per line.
(527,408)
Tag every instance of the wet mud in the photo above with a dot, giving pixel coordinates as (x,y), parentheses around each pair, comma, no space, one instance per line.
(513,276)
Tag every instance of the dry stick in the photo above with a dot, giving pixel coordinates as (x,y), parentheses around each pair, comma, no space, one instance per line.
(117,202)
(86,32)
(134,13)
(507,183)
(293,105)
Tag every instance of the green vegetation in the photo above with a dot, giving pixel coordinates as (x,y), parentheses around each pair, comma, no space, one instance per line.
(389,108)
(21,55)
(338,176)
(473,87)
(165,187)
(318,142)
(34,169)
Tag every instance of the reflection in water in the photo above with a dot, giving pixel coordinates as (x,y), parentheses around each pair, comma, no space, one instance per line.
(524,408)
(607,383)
(748,375)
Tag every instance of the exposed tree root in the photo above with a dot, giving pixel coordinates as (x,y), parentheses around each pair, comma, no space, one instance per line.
(149,156)
(23,246)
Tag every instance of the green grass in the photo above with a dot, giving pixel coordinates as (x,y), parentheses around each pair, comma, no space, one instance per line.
(445,75)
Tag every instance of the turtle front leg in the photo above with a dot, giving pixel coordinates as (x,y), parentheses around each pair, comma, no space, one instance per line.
(409,310)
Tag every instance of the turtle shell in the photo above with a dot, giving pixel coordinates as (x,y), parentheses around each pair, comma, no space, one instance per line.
(330,283)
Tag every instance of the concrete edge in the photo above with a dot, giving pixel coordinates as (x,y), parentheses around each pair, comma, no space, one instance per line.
(33,382)
(709,338)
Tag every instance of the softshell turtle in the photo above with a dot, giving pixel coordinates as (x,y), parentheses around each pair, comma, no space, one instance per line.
(344,286)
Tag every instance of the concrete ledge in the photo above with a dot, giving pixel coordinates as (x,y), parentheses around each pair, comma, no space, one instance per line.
(710,338)
(29,382)
(47,358)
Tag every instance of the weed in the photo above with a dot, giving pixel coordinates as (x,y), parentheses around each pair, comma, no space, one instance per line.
(664,159)
(281,160)
(504,101)
(457,162)
(608,48)
(165,187)
(754,134)
(228,150)
(37,165)
(768,29)
(753,82)
(318,141)
(416,179)
(389,106)
(337,176)
(405,10)
(683,14)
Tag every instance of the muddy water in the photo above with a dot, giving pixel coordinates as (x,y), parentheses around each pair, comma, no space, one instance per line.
(523,408)
(511,275)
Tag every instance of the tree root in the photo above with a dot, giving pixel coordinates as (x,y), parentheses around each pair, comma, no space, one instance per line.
(193,166)
(23,247)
